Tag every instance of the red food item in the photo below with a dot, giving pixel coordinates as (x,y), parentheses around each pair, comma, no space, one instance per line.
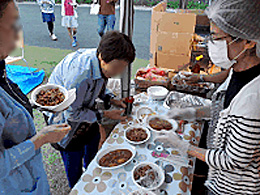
(152,74)
(162,73)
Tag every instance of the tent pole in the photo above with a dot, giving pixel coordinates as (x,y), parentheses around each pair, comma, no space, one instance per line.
(126,27)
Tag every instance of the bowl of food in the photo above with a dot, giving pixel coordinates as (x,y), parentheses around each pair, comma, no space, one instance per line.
(137,135)
(142,192)
(143,113)
(157,92)
(158,123)
(115,157)
(49,96)
(148,176)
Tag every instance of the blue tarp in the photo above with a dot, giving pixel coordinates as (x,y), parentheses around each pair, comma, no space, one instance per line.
(23,78)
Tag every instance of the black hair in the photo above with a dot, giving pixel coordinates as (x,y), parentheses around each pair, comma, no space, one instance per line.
(250,52)
(116,46)
(3,5)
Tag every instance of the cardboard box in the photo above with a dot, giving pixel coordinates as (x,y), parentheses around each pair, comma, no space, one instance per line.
(201,18)
(171,37)
(174,43)
(173,22)
(170,61)
(177,43)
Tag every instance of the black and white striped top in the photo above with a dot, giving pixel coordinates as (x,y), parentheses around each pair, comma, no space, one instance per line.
(234,161)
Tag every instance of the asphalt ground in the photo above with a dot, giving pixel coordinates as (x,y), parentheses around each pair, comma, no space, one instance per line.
(36,33)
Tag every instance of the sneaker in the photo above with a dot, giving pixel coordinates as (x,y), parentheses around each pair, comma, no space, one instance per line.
(53,37)
(74,44)
(75,39)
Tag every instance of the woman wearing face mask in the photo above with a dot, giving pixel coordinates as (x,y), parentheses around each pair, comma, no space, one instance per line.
(232,152)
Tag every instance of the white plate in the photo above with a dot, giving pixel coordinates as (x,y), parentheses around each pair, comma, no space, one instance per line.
(154,167)
(157,92)
(101,153)
(173,123)
(45,87)
(140,142)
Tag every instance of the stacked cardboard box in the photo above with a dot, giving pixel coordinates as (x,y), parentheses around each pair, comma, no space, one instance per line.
(172,36)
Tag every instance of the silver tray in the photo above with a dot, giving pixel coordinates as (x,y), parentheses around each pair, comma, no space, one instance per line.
(182,100)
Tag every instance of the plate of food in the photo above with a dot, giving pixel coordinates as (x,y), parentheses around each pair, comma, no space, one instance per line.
(137,135)
(115,157)
(53,97)
(160,123)
(148,176)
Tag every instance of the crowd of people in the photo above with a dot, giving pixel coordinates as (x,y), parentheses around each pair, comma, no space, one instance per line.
(106,17)
(233,145)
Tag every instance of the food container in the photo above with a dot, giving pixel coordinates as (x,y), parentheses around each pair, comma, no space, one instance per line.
(157,92)
(171,121)
(101,153)
(137,142)
(181,100)
(70,97)
(159,180)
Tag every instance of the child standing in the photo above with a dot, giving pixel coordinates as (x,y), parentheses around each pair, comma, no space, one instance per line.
(69,19)
(47,9)
(106,16)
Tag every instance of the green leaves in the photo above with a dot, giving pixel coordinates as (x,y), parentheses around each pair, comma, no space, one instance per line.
(196,5)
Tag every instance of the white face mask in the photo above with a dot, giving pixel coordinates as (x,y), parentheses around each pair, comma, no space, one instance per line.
(218,53)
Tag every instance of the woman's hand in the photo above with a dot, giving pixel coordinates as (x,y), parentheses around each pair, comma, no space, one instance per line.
(118,103)
(115,114)
(183,114)
(193,78)
(171,138)
(50,134)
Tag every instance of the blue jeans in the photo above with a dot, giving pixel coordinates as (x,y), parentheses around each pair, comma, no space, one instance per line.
(106,21)
(73,159)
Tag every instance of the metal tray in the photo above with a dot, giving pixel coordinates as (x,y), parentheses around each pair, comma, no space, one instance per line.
(182,100)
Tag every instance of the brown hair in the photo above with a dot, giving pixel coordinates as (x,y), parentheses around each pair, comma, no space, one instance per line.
(116,46)
(3,5)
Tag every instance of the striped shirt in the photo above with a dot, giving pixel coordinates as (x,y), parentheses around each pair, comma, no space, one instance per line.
(233,161)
